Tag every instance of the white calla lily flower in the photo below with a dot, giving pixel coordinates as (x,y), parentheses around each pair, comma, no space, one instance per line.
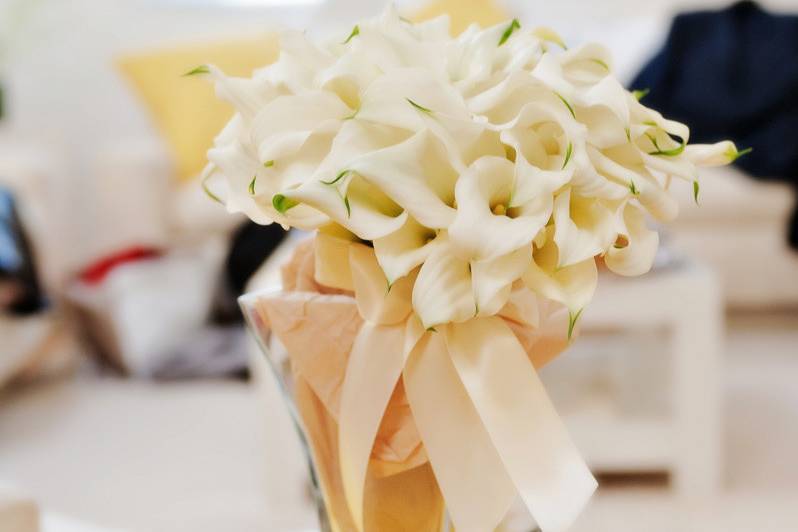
(587,64)
(635,255)
(443,291)
(644,119)
(493,279)
(401,97)
(603,109)
(246,95)
(641,185)
(584,227)
(573,285)
(484,195)
(405,249)
(718,154)
(282,127)
(298,65)
(452,289)
(416,174)
(358,206)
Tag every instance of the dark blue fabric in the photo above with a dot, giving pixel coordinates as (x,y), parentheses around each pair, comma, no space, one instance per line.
(10,258)
(733,74)
(16,262)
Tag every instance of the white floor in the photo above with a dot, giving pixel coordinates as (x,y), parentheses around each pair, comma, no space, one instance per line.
(190,457)
(139,457)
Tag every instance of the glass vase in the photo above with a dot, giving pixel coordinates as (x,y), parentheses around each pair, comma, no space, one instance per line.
(409,500)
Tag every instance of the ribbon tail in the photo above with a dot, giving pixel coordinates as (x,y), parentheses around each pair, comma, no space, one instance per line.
(471,476)
(375,364)
(545,467)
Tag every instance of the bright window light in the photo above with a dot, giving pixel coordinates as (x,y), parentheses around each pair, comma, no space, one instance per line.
(250,3)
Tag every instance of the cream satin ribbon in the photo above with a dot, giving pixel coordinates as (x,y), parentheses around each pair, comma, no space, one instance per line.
(375,364)
(488,427)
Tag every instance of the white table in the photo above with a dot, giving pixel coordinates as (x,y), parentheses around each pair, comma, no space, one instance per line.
(684,303)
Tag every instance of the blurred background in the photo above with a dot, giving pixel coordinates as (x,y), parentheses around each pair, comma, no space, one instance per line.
(130,396)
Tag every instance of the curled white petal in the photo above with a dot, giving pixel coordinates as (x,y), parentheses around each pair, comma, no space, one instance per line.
(405,249)
(587,64)
(443,291)
(400,97)
(282,126)
(247,95)
(584,227)
(573,285)
(416,174)
(636,255)
(718,154)
(360,208)
(493,279)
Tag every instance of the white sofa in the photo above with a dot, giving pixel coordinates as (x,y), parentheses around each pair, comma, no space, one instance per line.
(740,230)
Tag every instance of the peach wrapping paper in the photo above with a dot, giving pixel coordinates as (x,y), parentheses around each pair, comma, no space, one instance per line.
(386,404)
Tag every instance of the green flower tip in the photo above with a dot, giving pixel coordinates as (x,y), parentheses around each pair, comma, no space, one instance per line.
(355,33)
(348,207)
(514,25)
(633,189)
(432,329)
(210,194)
(568,105)
(353,115)
(696,190)
(202,69)
(733,155)
(548,35)
(568,154)
(419,107)
(640,93)
(572,319)
(341,175)
(601,63)
(268,164)
(282,204)
(251,187)
(672,152)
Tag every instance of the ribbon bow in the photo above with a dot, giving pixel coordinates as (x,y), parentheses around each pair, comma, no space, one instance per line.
(487,426)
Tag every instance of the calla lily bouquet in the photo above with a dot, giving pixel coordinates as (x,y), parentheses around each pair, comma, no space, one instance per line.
(461,190)
(495,157)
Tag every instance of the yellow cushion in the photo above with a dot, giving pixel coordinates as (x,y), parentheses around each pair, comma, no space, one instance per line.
(185,109)
(463,13)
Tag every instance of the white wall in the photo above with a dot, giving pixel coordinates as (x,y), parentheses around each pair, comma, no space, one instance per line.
(63,86)
(63,93)
(63,90)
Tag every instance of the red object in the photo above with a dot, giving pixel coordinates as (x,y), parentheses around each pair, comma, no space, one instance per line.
(97,272)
